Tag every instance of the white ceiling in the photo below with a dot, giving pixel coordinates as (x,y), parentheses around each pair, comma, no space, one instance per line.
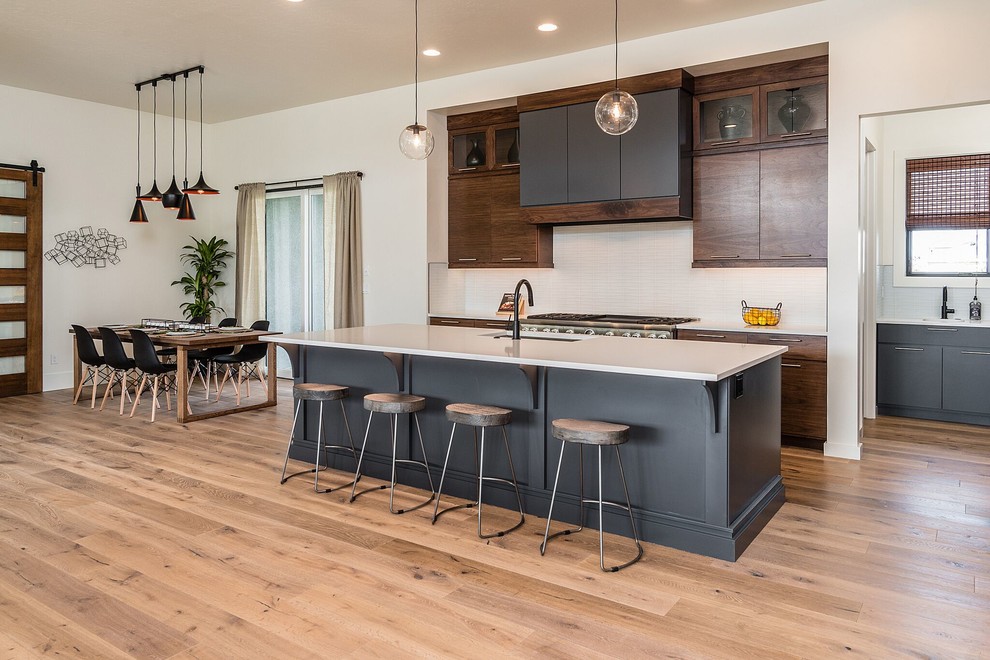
(266,55)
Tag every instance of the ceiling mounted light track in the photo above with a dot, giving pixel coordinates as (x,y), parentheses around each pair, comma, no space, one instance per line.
(416,141)
(617,111)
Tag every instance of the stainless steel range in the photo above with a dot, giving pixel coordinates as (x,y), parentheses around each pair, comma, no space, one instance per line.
(619,325)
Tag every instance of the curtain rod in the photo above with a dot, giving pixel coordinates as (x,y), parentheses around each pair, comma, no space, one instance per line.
(297,181)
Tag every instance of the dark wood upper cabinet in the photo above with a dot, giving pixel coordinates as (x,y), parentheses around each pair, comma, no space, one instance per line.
(469,221)
(727,207)
(794,203)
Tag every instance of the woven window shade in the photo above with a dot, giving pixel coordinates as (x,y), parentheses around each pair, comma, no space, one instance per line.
(948,192)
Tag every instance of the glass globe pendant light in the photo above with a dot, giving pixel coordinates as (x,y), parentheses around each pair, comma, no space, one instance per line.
(416,141)
(154,195)
(617,111)
(137,213)
(173,196)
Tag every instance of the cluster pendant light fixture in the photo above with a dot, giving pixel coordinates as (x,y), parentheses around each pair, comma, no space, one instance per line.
(174,197)
(416,141)
(617,111)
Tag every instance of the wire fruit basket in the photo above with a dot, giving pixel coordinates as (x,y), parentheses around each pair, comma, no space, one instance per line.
(761,315)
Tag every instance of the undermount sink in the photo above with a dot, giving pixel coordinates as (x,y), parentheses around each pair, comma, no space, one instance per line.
(544,336)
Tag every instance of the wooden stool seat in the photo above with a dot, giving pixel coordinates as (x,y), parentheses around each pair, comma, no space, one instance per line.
(590,432)
(319,392)
(472,414)
(393,404)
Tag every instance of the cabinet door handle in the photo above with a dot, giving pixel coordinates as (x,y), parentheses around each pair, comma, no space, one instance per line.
(495,324)
(511,258)
(907,348)
(711,336)
(788,364)
(943,329)
(723,256)
(466,169)
(509,165)
(450,322)
(788,136)
(794,256)
(975,353)
(467,259)
(724,142)
(785,340)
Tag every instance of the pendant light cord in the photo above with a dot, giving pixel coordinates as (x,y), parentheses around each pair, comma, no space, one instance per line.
(416,60)
(201,122)
(139,140)
(185,126)
(173,127)
(154,128)
(616,45)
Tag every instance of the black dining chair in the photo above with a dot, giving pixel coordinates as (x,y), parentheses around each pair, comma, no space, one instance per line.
(150,366)
(121,366)
(246,362)
(91,359)
(201,362)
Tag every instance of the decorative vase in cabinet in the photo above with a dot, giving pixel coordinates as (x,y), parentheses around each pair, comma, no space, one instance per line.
(476,156)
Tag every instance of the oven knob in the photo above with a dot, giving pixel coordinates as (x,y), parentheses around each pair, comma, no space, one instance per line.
(554,330)
(589,331)
(652,335)
(569,331)
(637,334)
(626,334)
(609,334)
(546,329)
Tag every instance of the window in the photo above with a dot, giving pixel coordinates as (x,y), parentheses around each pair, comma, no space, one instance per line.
(948,215)
(294,257)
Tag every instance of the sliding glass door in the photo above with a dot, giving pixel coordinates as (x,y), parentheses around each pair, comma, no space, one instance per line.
(295,260)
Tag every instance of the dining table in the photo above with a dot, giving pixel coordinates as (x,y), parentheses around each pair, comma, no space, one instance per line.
(184,342)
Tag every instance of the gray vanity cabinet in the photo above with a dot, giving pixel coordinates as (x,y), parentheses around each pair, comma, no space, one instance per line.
(936,372)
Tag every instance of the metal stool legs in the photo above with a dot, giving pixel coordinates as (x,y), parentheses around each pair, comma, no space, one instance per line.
(601,510)
(321,443)
(394,428)
(480,463)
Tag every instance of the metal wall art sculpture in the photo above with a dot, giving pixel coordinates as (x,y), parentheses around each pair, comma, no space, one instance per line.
(84,248)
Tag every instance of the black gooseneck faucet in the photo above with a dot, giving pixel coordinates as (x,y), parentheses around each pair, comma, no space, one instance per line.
(515,305)
(945,303)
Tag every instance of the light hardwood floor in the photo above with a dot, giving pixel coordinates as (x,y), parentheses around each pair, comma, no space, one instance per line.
(121,538)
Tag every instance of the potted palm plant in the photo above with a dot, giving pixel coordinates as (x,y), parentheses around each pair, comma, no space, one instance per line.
(206,260)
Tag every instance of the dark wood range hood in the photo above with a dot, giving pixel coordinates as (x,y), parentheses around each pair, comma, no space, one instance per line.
(571,172)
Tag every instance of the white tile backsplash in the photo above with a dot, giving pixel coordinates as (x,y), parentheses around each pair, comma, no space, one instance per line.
(642,268)
(908,302)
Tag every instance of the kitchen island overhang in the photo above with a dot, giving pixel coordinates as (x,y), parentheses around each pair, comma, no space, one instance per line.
(703,461)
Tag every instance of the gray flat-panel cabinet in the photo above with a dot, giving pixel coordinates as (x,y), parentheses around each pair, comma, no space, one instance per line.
(966,379)
(650,159)
(543,168)
(909,375)
(592,157)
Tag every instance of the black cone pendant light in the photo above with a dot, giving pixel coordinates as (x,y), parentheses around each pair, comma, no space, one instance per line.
(201,187)
(137,213)
(154,195)
(173,196)
(185,206)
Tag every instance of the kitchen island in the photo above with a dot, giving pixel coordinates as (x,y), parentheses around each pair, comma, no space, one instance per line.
(703,460)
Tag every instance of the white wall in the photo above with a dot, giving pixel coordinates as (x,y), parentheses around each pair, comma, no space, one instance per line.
(88,151)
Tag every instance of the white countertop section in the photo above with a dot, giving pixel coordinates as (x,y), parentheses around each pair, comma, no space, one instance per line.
(704,361)
(782,328)
(461,315)
(959,323)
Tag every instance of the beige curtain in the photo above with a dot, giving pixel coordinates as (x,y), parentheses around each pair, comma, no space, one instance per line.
(250,303)
(344,275)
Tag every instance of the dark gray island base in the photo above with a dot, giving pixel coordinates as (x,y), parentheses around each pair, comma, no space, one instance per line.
(703,460)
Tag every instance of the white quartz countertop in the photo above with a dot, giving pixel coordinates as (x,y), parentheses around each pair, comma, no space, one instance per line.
(959,323)
(704,361)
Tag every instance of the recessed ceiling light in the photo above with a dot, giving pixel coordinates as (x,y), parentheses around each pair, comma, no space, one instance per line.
(546,27)
(295,0)
(431,52)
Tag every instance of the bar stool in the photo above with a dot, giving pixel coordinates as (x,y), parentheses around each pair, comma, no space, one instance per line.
(319,392)
(479,416)
(394,405)
(586,432)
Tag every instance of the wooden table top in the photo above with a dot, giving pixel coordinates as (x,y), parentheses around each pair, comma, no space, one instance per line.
(197,340)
